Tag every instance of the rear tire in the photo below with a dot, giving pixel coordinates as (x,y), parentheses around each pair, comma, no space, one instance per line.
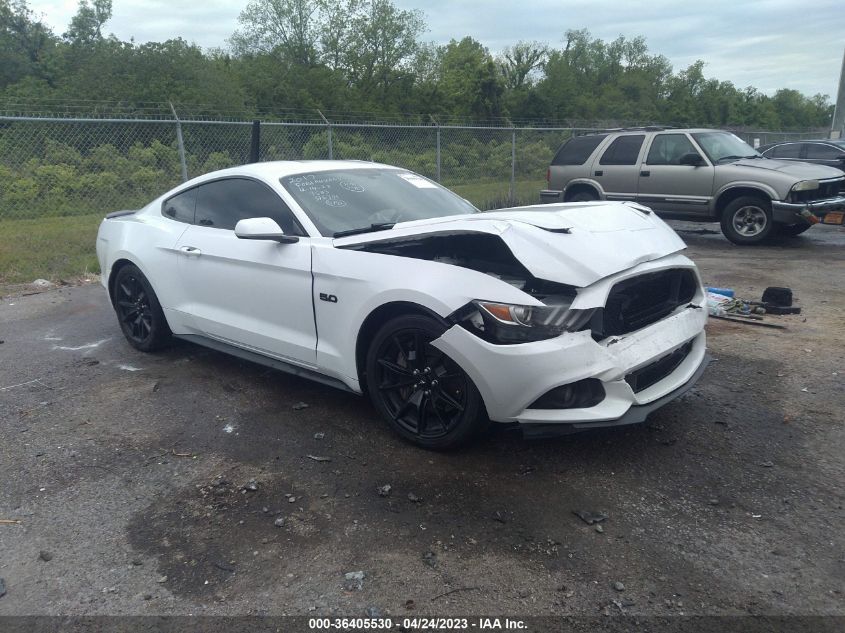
(583,196)
(138,311)
(792,230)
(747,220)
(421,392)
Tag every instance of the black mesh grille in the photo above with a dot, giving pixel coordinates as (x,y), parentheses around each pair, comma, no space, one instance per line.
(645,377)
(640,301)
(826,190)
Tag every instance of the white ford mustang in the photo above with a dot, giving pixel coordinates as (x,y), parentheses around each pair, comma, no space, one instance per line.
(376,280)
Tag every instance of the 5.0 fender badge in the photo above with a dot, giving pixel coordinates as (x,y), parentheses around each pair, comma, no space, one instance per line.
(329,298)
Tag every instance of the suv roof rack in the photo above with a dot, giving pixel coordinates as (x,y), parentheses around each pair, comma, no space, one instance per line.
(644,128)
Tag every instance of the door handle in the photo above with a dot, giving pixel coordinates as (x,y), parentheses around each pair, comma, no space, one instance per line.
(190,250)
(645,173)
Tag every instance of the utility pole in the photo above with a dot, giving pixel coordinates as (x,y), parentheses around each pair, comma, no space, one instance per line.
(837,126)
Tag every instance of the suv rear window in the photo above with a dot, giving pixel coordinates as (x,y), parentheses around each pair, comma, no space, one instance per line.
(577,150)
(623,151)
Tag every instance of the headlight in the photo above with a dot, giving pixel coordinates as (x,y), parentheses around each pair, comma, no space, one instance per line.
(513,323)
(806,185)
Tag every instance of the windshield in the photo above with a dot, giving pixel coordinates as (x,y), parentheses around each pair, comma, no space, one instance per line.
(722,146)
(346,200)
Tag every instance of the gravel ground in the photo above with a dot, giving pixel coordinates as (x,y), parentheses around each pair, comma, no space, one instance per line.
(186,482)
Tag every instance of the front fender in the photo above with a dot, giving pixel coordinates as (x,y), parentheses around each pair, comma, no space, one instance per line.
(355,283)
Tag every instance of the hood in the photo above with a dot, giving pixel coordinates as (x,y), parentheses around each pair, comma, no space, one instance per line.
(575,244)
(795,169)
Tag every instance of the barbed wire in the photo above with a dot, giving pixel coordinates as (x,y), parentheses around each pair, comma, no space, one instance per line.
(22,107)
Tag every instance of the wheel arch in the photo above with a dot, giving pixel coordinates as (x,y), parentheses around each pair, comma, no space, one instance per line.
(728,195)
(378,317)
(121,262)
(574,187)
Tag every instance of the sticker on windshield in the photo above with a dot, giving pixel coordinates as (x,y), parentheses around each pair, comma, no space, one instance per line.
(418,181)
(351,186)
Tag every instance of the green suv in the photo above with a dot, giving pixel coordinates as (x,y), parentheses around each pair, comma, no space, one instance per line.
(697,174)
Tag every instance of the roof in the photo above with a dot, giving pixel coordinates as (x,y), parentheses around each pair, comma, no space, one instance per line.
(281,168)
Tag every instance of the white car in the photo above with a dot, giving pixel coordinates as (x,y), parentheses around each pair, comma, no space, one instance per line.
(377,280)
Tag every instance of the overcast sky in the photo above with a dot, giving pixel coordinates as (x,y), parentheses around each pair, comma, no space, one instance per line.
(768,44)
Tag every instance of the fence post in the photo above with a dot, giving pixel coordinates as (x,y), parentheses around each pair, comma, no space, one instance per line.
(513,166)
(180,144)
(438,145)
(329,131)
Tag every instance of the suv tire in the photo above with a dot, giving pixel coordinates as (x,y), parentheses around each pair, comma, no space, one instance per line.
(747,220)
(583,196)
(792,230)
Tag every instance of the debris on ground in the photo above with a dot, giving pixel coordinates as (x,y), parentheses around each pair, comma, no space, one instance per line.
(45,555)
(499,517)
(374,612)
(162,580)
(590,517)
(2,587)
(410,604)
(224,567)
(250,486)
(10,521)
(175,454)
(414,498)
(618,586)
(319,436)
(429,558)
(354,580)
(42,284)
(599,529)
(384,491)
(299,406)
(319,458)
(279,522)
(767,464)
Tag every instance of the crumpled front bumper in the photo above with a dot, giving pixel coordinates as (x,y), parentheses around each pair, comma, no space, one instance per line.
(790,212)
(511,378)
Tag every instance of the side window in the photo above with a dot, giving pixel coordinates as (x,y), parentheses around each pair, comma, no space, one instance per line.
(787,150)
(577,150)
(667,149)
(623,151)
(825,152)
(181,206)
(222,203)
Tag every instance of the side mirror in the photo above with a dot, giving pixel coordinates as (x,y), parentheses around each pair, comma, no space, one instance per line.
(693,159)
(262,229)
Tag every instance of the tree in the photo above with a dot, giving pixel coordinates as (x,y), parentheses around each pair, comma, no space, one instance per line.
(470,83)
(519,61)
(288,27)
(86,26)
(24,42)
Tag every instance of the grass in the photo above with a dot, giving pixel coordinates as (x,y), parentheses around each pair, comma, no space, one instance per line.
(492,195)
(62,248)
(53,248)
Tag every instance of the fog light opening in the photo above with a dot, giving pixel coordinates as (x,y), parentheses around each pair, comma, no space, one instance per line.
(576,395)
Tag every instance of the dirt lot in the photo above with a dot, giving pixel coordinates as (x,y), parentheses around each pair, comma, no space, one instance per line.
(127,472)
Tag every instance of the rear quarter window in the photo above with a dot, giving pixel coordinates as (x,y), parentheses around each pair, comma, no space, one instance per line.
(577,150)
(181,207)
(623,151)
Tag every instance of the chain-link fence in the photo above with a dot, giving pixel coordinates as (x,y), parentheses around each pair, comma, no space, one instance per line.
(59,176)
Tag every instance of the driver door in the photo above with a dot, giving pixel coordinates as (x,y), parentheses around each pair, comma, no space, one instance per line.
(255,294)
(666,185)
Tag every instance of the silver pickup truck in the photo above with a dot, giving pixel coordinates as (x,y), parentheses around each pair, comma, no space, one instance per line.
(698,174)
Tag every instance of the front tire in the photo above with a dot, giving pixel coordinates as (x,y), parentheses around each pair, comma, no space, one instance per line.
(138,310)
(792,230)
(421,392)
(747,220)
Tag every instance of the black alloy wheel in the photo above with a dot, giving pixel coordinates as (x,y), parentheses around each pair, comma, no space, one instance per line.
(425,396)
(138,310)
